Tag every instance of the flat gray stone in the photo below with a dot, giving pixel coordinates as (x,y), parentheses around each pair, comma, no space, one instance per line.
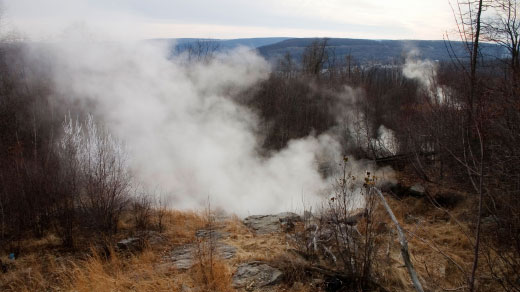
(418,190)
(183,257)
(226,251)
(214,234)
(132,243)
(265,224)
(254,275)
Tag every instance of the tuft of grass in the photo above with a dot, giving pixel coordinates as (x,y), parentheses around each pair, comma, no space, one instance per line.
(212,275)
(136,273)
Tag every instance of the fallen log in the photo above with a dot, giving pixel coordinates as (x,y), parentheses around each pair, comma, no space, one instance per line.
(403,242)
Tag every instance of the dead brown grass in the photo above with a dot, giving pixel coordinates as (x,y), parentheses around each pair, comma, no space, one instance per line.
(437,244)
(43,266)
(440,243)
(212,275)
(137,273)
(180,226)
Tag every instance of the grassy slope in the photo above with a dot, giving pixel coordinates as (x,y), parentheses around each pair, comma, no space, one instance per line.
(433,236)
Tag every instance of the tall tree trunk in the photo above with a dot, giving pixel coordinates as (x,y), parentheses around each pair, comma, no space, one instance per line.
(473,89)
(479,213)
(474,58)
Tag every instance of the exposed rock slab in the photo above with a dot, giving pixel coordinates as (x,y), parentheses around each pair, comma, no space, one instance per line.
(255,275)
(417,190)
(264,224)
(184,257)
(140,240)
(131,243)
(226,251)
(211,233)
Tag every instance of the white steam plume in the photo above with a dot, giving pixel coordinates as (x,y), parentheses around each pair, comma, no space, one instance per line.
(425,71)
(355,128)
(184,133)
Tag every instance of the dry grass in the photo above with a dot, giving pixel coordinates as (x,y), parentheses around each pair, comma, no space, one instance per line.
(212,275)
(137,273)
(427,233)
(42,266)
(440,243)
(437,244)
(180,227)
(252,247)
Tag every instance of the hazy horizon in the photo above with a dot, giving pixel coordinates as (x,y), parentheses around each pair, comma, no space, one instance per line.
(229,19)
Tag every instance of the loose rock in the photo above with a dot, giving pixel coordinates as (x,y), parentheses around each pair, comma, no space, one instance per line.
(213,234)
(131,244)
(255,275)
(183,257)
(265,224)
(417,190)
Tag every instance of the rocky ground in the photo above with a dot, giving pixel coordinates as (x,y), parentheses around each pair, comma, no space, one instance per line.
(248,249)
(194,253)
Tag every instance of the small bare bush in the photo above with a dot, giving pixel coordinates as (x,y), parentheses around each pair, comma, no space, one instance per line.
(141,209)
(342,237)
(99,174)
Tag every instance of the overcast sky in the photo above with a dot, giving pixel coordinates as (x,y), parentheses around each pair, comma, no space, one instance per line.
(140,19)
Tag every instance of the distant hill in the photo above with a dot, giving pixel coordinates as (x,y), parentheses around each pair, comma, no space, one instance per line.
(363,51)
(222,44)
(378,51)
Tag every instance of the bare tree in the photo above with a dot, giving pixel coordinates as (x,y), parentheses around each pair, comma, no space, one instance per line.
(287,66)
(314,57)
(200,50)
(469,26)
(467,15)
(104,178)
(503,28)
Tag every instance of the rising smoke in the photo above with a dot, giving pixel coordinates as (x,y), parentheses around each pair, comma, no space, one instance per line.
(425,72)
(183,131)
